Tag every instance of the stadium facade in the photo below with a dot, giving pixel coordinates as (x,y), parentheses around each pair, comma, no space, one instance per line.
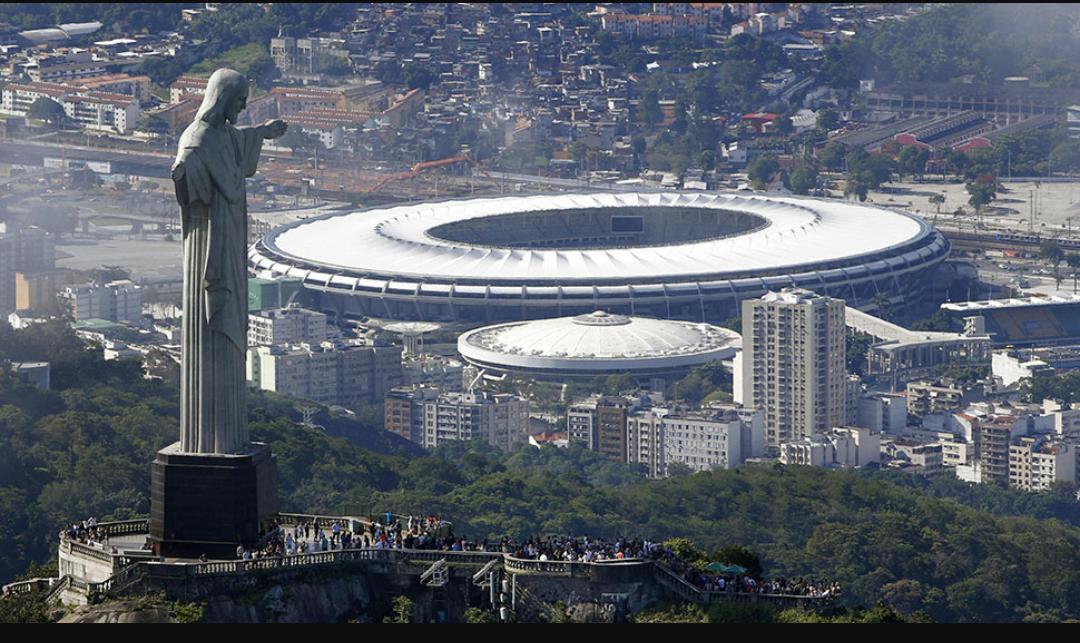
(676,255)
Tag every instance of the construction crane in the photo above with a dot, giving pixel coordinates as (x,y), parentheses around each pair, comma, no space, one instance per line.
(418,169)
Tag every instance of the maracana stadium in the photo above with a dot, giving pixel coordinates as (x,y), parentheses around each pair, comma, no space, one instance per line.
(676,255)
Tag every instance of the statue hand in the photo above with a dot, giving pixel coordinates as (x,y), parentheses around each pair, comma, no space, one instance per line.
(274,129)
(178,172)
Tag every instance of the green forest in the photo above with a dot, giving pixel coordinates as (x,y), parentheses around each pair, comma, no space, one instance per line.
(939,547)
(987,41)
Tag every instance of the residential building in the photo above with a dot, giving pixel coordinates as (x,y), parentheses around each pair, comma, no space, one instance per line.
(708,439)
(924,398)
(499,419)
(289,325)
(446,373)
(917,457)
(37,290)
(1012,366)
(611,415)
(303,55)
(116,301)
(840,447)
(92,109)
(882,413)
(793,363)
(991,446)
(187,87)
(855,446)
(812,451)
(403,410)
(1037,462)
(645,440)
(23,250)
(137,87)
(341,372)
(581,423)
(36,373)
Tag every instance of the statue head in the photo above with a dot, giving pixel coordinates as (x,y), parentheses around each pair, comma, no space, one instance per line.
(226,97)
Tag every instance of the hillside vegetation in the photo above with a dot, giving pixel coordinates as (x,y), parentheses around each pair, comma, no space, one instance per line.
(969,555)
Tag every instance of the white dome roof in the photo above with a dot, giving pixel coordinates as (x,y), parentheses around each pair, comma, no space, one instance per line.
(598,341)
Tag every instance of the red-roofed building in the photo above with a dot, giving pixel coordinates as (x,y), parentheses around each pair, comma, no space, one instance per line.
(184,86)
(96,110)
(554,438)
(759,121)
(134,86)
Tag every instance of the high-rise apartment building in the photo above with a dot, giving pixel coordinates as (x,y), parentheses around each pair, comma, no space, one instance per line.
(21,250)
(645,440)
(793,363)
(599,424)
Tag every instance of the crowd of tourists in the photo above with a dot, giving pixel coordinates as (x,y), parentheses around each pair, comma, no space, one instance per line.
(86,532)
(390,531)
(397,531)
(577,550)
(749,585)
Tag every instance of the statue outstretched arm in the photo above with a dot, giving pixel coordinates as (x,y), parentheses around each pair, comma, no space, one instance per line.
(273,129)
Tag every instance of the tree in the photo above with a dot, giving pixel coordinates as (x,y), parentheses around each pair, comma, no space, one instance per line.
(912,160)
(828,120)
(832,155)
(152,124)
(937,200)
(56,221)
(857,186)
(707,160)
(1050,250)
(578,151)
(402,611)
(739,555)
(48,110)
(761,170)
(955,162)
(651,114)
(869,169)
(982,192)
(477,615)
(419,76)
(105,274)
(803,179)
(1073,261)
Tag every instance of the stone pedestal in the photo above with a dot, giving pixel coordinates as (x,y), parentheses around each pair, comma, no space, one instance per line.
(209,503)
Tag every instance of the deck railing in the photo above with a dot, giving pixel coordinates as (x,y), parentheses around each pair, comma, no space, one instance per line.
(133,567)
(27,586)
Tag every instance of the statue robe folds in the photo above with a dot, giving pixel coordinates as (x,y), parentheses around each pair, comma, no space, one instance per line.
(213,202)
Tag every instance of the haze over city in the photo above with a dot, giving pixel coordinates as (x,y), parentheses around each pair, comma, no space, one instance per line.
(539,312)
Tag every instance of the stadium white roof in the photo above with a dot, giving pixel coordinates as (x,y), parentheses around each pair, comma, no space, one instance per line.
(1014,302)
(598,342)
(396,241)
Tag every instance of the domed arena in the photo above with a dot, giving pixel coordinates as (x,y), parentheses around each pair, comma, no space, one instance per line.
(673,255)
(597,344)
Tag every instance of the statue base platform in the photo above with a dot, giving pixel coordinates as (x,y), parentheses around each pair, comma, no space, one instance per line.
(209,503)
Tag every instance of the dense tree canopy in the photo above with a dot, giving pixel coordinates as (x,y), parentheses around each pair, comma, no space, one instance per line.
(989,42)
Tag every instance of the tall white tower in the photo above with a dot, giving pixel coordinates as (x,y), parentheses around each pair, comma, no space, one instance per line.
(793,363)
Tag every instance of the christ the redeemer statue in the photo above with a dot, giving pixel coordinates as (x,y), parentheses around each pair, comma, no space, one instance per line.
(213,159)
